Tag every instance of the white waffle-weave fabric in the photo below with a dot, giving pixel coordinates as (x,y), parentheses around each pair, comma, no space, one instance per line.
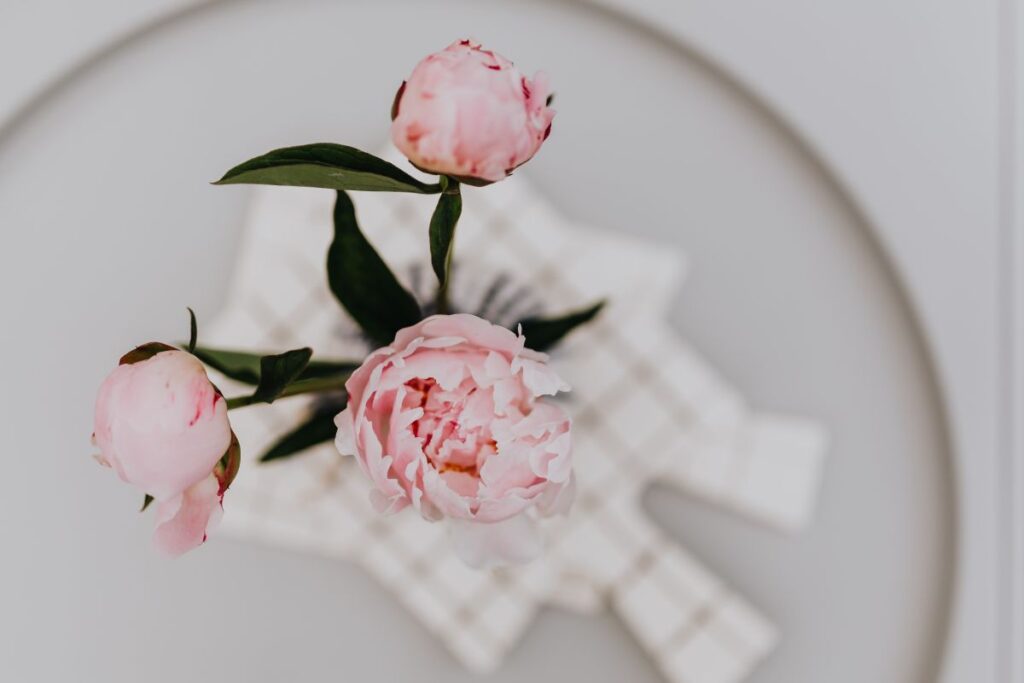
(645,407)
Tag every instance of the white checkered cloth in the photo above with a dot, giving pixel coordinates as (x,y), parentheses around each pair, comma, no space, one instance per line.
(645,407)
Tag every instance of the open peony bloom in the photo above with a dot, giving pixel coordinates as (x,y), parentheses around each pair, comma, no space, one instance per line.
(449,418)
(469,113)
(163,427)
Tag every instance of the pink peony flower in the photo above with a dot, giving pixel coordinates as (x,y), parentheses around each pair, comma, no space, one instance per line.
(469,113)
(449,419)
(163,427)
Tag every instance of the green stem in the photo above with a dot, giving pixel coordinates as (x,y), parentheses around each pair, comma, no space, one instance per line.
(442,237)
(313,385)
(442,298)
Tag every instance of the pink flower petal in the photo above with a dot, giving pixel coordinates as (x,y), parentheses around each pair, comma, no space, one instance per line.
(183,521)
(557,498)
(345,441)
(449,418)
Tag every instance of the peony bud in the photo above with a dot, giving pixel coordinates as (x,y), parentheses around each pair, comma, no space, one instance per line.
(469,113)
(163,427)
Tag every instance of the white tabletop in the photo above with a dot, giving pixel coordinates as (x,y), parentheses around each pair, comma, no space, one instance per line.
(790,297)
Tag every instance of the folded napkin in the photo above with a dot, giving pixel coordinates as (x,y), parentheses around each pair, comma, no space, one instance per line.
(646,407)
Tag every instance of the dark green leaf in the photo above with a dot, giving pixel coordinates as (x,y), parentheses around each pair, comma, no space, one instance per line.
(327,165)
(363,283)
(442,229)
(328,368)
(317,385)
(318,428)
(193,331)
(238,365)
(543,333)
(145,502)
(244,366)
(144,352)
(470,180)
(278,371)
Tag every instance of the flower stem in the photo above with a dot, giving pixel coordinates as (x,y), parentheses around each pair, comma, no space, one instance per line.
(442,237)
(442,299)
(313,385)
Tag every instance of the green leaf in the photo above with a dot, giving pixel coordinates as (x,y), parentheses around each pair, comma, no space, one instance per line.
(328,368)
(543,333)
(244,366)
(144,352)
(278,371)
(442,229)
(145,502)
(238,365)
(193,331)
(363,283)
(317,429)
(326,165)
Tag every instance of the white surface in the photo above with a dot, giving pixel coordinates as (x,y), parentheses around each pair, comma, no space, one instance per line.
(809,60)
